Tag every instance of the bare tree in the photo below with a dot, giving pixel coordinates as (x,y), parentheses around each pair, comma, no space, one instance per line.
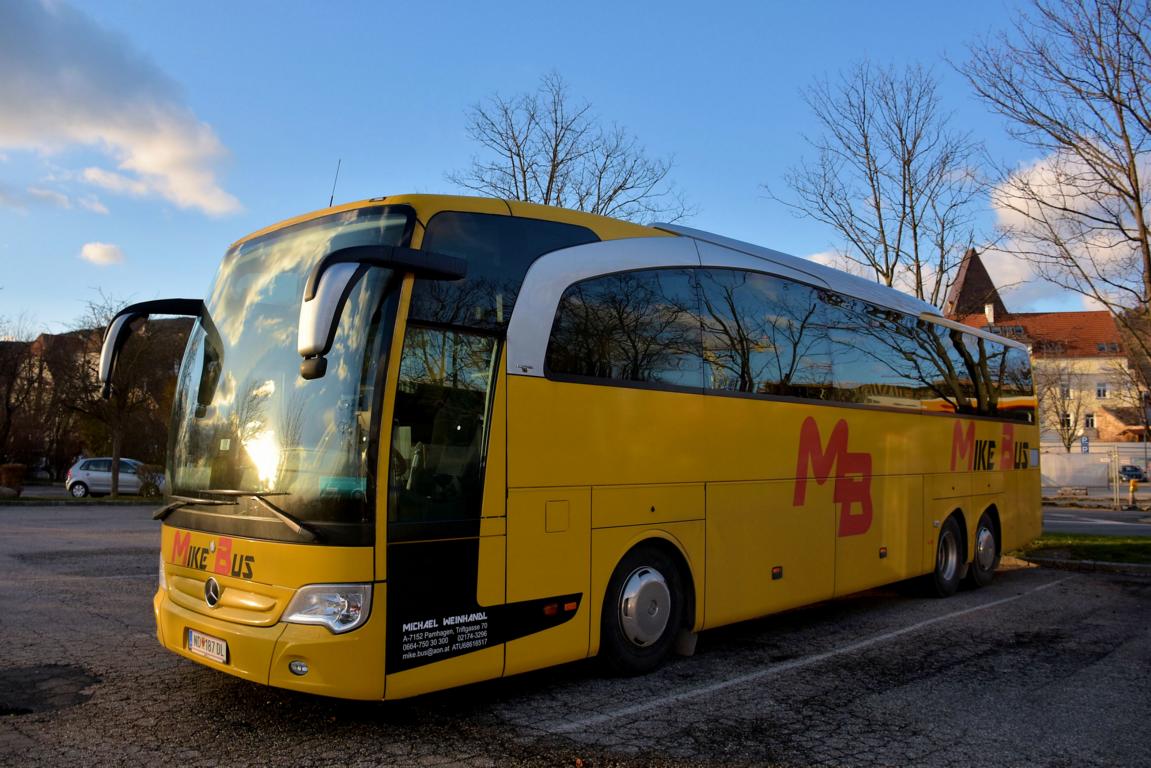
(1062,404)
(1132,380)
(1074,81)
(16,388)
(891,177)
(545,147)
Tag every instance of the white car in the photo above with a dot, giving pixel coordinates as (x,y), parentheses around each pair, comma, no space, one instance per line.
(94,476)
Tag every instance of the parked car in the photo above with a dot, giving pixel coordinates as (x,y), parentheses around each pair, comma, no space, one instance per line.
(1132,472)
(94,477)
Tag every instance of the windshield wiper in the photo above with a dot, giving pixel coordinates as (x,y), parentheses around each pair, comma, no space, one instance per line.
(184,501)
(299,527)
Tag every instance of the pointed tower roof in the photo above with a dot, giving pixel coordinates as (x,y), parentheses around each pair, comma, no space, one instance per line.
(972,289)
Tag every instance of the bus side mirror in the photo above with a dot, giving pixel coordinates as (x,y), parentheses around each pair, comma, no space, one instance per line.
(115,336)
(331,282)
(118,330)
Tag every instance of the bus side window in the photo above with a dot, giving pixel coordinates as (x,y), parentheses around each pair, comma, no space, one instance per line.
(869,350)
(640,327)
(764,335)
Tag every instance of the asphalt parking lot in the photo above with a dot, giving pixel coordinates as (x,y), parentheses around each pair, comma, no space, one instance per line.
(1043,668)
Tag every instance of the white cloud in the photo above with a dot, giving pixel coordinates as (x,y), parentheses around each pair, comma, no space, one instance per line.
(93,204)
(115,182)
(50,196)
(827,258)
(102,254)
(31,197)
(68,82)
(1064,183)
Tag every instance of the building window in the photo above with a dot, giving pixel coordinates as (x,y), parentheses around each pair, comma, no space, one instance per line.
(1089,421)
(1064,391)
(1101,347)
(1065,420)
(1101,390)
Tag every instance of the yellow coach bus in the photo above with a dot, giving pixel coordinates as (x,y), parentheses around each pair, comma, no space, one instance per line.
(423,441)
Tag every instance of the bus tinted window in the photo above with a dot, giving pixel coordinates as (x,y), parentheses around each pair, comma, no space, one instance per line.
(869,349)
(632,326)
(763,335)
(974,375)
(499,250)
(438,437)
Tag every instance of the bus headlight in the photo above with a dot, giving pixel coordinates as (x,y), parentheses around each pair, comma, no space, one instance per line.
(339,607)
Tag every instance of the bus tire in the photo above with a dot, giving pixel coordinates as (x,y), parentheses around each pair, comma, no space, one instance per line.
(643,612)
(987,553)
(944,580)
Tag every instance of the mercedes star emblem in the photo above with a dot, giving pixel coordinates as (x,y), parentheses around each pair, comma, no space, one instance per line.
(212,592)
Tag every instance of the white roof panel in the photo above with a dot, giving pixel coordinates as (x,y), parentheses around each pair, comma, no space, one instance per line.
(817,274)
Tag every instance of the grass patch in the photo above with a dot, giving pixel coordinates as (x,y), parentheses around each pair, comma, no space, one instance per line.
(1106,549)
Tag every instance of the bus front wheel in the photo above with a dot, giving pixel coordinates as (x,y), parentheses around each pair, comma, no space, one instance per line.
(642,612)
(944,580)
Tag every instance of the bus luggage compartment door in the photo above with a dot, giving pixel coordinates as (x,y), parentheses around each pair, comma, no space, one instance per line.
(549,551)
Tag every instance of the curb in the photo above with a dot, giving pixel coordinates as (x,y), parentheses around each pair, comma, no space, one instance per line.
(1091,566)
(34,502)
(1104,506)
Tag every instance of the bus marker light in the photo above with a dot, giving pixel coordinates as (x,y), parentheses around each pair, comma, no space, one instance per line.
(776,572)
(551,609)
(569,607)
(883,553)
(298,668)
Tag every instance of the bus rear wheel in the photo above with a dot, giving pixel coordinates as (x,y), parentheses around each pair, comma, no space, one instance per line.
(944,580)
(642,613)
(987,553)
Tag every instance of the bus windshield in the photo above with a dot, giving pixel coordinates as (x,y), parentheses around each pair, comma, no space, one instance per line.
(248,430)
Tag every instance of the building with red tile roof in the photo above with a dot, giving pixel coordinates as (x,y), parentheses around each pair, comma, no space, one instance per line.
(1081,365)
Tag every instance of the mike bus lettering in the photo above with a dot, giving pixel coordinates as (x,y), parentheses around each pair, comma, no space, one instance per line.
(219,556)
(968,453)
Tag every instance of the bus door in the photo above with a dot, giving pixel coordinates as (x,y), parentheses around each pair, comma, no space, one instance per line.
(445,558)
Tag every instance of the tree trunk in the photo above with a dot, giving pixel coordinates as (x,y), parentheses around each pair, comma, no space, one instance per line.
(117,446)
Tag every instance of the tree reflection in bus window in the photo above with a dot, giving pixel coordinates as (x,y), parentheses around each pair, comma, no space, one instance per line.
(633,326)
(764,335)
(872,352)
(439,434)
(498,250)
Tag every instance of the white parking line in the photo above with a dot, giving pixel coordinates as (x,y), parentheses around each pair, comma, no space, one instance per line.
(787,666)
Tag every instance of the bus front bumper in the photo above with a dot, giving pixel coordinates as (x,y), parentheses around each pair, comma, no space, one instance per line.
(349,666)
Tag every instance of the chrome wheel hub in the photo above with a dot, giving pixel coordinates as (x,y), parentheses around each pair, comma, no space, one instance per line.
(947,558)
(985,549)
(644,606)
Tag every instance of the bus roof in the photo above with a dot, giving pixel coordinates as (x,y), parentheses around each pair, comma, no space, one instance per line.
(428,205)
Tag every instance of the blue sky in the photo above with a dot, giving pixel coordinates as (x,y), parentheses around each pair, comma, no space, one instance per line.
(149,136)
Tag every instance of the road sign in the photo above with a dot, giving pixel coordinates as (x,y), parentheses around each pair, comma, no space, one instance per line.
(1085,444)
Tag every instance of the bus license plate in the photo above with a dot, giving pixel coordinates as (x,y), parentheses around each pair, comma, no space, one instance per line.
(207,646)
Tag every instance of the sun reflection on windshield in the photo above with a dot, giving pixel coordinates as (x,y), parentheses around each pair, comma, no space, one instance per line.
(264,451)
